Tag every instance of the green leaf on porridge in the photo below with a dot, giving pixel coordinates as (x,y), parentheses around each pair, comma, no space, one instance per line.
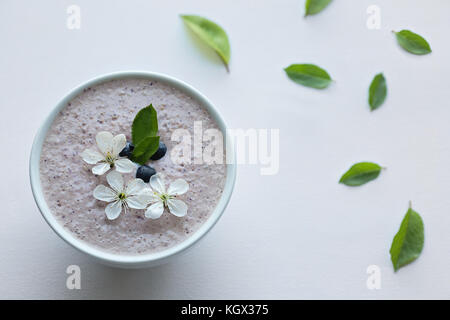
(412,42)
(360,173)
(377,91)
(315,6)
(211,33)
(145,124)
(408,242)
(308,75)
(145,149)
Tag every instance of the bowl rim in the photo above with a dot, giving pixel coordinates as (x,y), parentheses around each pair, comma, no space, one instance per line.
(139,260)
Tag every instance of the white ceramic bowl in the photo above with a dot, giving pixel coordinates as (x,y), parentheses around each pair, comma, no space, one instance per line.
(130,261)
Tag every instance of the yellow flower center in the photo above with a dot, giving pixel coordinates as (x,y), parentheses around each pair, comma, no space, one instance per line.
(110,159)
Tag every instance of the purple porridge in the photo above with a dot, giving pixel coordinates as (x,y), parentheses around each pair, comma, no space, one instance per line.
(68,182)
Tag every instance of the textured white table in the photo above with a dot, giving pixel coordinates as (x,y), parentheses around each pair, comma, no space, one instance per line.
(297,234)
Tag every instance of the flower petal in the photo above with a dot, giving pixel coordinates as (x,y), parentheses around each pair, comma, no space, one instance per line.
(104,141)
(115,180)
(92,156)
(177,207)
(118,143)
(104,193)
(178,187)
(149,196)
(113,210)
(137,202)
(155,210)
(101,168)
(134,187)
(157,183)
(124,165)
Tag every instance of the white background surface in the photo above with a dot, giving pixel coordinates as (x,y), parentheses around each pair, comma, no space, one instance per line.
(297,234)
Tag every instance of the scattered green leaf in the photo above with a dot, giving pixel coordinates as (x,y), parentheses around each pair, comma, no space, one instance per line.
(315,6)
(412,42)
(377,91)
(408,242)
(145,149)
(308,75)
(360,173)
(211,33)
(145,124)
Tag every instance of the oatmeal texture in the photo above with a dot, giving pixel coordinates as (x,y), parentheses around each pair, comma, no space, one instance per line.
(68,182)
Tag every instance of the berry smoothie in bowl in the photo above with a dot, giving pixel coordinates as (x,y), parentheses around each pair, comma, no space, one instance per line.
(132,168)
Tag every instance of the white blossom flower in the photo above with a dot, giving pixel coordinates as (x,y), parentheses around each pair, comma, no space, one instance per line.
(134,195)
(108,158)
(166,198)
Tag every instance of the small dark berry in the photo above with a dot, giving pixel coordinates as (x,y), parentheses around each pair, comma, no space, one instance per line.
(128,150)
(145,172)
(160,152)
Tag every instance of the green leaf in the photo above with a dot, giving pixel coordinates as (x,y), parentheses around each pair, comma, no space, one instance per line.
(360,173)
(315,6)
(145,149)
(145,124)
(211,33)
(308,75)
(377,91)
(412,42)
(408,242)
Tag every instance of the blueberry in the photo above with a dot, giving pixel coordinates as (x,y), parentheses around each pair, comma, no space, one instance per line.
(145,172)
(126,152)
(160,152)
